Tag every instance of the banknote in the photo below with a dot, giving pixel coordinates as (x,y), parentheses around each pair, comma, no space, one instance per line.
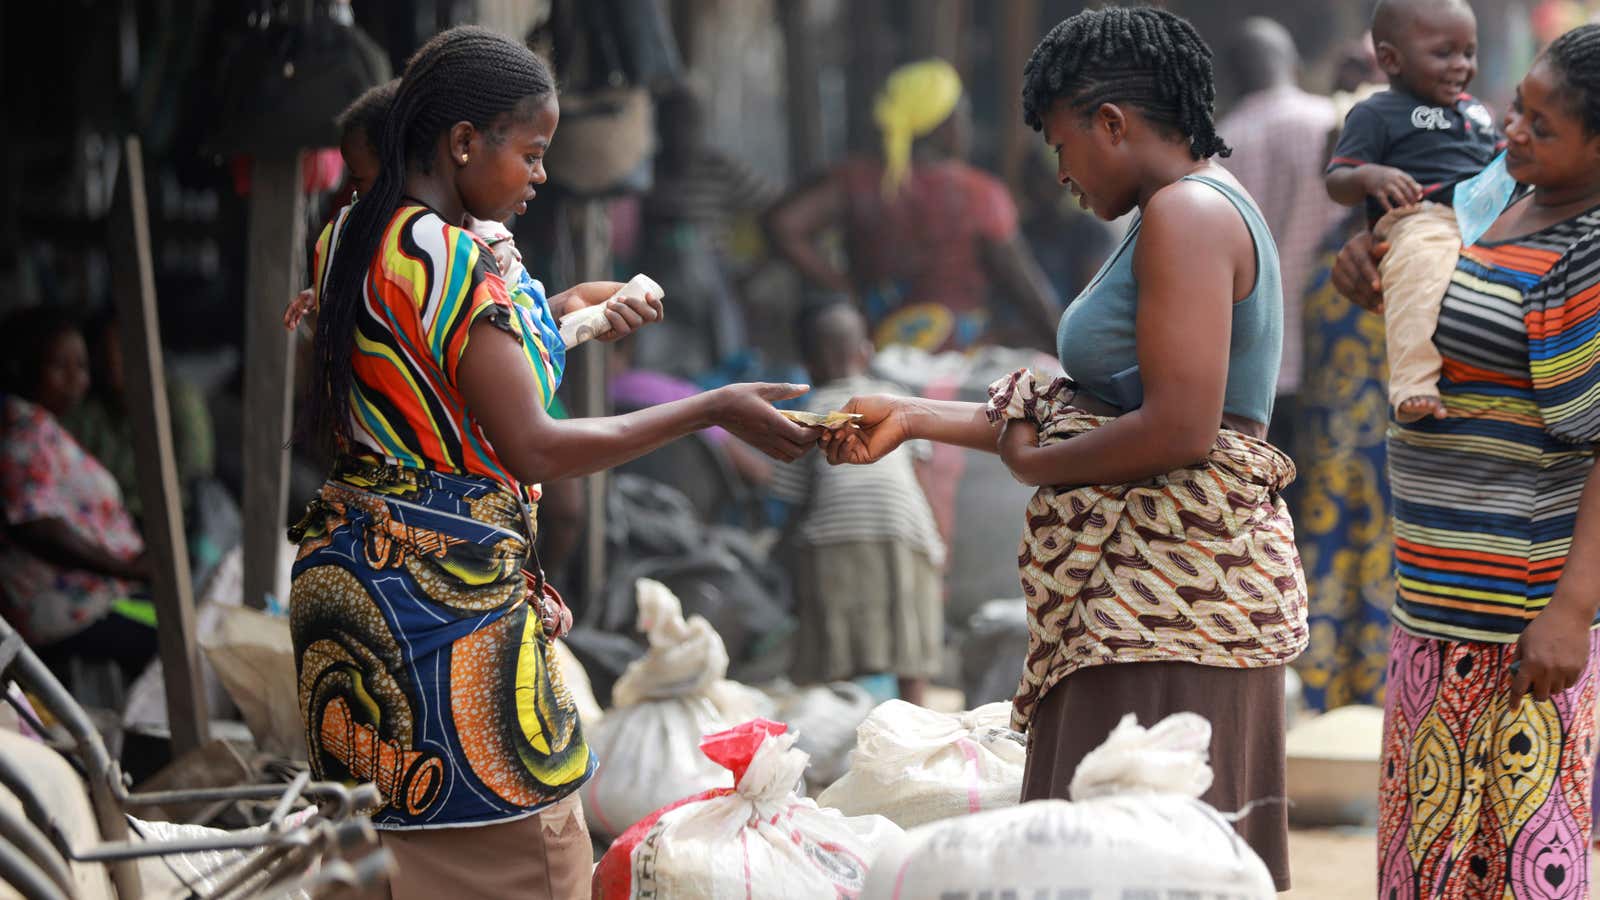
(820,420)
(591,322)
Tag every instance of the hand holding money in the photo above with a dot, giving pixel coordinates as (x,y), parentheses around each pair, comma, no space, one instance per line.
(596,321)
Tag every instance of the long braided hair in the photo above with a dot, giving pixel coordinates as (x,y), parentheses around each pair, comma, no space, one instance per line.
(466,74)
(1146,58)
(1575,56)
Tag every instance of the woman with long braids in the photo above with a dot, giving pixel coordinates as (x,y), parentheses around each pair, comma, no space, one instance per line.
(1158,560)
(1489,720)
(421,622)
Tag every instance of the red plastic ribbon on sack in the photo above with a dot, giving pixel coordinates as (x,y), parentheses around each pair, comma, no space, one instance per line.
(733,749)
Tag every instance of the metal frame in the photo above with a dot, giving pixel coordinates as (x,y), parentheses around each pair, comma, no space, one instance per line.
(286,847)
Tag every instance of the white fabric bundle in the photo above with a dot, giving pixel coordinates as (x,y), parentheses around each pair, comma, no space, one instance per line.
(649,742)
(761,840)
(915,766)
(1135,828)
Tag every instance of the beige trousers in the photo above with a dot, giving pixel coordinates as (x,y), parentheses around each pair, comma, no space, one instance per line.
(541,857)
(1424,243)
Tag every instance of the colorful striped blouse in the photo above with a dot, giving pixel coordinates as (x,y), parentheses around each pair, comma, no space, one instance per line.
(428,283)
(1486,499)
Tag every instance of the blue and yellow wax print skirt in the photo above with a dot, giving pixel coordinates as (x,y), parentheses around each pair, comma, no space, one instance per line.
(423,667)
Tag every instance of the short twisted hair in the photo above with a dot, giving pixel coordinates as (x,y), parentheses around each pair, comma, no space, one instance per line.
(1575,57)
(1148,59)
(466,74)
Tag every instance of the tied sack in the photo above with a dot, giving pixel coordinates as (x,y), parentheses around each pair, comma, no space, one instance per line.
(914,765)
(1135,828)
(759,840)
(648,743)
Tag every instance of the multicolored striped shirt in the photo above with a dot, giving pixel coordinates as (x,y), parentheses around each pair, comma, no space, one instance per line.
(1487,498)
(428,283)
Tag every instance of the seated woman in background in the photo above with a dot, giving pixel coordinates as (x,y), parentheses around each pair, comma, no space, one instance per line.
(102,426)
(71,559)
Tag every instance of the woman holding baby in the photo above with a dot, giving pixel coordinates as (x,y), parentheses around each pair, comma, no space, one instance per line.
(422,626)
(1489,728)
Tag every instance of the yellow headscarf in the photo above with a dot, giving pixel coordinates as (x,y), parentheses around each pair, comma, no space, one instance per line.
(917,98)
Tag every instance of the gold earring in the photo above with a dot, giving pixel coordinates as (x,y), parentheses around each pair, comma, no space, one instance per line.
(463,157)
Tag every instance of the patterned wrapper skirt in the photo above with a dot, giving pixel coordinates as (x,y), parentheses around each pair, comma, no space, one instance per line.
(1481,795)
(1198,565)
(423,667)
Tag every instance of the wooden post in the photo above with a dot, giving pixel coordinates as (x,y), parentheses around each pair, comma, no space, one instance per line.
(686,16)
(134,286)
(800,75)
(277,242)
(1018,24)
(591,244)
(936,31)
(868,64)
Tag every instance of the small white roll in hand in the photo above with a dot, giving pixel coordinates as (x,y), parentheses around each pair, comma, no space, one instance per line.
(591,322)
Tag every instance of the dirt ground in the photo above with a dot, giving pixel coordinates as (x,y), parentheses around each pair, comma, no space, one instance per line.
(1334,865)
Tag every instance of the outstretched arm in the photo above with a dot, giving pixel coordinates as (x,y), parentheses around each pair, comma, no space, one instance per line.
(888,421)
(501,393)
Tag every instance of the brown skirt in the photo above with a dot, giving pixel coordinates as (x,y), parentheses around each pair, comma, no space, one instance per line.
(1244,706)
(546,856)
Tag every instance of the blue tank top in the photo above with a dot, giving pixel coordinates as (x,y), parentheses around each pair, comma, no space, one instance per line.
(1095,341)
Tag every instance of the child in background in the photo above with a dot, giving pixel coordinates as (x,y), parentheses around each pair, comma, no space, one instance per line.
(1403,151)
(867,555)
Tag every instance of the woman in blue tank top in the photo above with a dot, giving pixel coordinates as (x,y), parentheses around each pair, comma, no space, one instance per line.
(1158,559)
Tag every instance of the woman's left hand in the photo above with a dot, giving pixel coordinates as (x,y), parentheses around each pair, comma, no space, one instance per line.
(1018,439)
(626,314)
(303,303)
(1551,654)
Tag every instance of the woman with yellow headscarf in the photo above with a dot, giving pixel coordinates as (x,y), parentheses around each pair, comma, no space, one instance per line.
(928,237)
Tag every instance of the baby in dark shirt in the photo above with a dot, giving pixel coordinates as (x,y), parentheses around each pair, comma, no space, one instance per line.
(1403,151)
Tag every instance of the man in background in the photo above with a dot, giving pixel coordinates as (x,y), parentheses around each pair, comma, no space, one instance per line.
(1279,135)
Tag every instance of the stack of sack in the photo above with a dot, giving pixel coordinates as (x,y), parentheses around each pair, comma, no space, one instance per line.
(1135,828)
(648,742)
(914,765)
(759,839)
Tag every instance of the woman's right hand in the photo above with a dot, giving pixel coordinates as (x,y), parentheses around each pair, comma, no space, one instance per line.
(881,428)
(746,412)
(1355,272)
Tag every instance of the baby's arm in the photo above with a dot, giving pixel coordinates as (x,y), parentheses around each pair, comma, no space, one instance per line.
(1391,187)
(1356,171)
